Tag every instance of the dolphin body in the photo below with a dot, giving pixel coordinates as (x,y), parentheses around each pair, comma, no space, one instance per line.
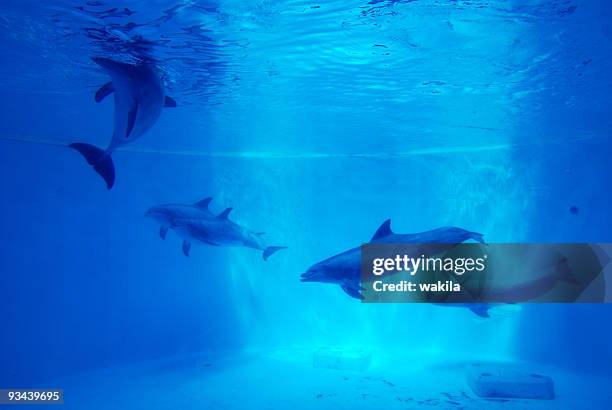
(139,99)
(197,223)
(344,269)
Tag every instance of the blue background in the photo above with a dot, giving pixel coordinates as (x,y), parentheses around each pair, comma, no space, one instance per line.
(315,125)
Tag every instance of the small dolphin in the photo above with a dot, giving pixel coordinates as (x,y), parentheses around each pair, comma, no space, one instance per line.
(344,269)
(204,227)
(167,214)
(139,99)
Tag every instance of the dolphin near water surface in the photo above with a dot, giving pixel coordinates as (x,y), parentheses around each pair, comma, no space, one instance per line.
(139,99)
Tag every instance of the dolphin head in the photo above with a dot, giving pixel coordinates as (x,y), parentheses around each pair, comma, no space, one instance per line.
(319,272)
(159,213)
(337,269)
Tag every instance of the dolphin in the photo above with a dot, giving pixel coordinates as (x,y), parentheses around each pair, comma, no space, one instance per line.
(167,214)
(344,269)
(139,99)
(214,230)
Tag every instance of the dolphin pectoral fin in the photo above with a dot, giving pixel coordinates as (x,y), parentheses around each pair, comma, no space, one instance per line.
(99,159)
(382,231)
(225,213)
(270,250)
(480,310)
(352,291)
(203,204)
(163,231)
(131,119)
(169,102)
(564,273)
(478,237)
(186,248)
(104,91)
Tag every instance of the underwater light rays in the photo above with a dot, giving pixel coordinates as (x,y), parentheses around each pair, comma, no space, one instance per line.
(279,154)
(439,150)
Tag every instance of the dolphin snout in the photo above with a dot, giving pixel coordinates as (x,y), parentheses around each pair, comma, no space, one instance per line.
(308,276)
(154,212)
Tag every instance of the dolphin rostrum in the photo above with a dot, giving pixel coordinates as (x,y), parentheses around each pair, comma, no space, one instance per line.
(344,269)
(197,223)
(139,99)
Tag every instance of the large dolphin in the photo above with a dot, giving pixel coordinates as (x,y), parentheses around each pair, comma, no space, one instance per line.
(139,99)
(344,269)
(204,227)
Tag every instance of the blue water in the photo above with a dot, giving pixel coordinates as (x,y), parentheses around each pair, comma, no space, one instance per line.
(315,121)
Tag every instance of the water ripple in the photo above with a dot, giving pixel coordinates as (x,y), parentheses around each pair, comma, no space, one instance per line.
(414,60)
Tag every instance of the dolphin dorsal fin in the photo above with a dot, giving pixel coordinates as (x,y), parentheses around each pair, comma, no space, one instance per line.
(169,102)
(383,230)
(225,213)
(203,204)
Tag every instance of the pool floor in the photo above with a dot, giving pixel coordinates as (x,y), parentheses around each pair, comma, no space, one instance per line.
(288,380)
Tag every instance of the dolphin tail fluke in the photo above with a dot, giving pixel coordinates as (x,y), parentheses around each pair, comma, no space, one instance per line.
(270,250)
(99,159)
